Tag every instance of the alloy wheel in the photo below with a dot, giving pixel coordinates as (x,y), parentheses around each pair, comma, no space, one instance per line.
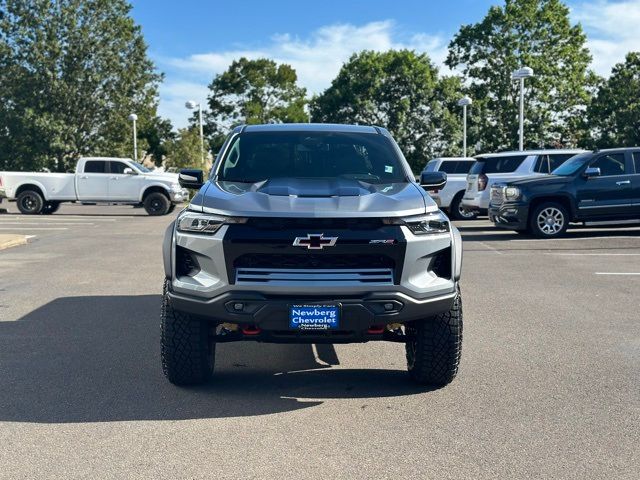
(550,221)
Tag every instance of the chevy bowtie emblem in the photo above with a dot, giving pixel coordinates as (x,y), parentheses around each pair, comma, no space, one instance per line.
(315,241)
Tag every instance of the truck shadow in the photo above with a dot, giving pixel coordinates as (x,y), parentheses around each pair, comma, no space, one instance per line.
(96,359)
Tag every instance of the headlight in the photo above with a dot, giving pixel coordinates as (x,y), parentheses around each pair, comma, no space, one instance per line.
(194,222)
(429,224)
(511,193)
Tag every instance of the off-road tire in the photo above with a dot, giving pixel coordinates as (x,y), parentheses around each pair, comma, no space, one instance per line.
(454,209)
(187,349)
(171,208)
(156,203)
(433,355)
(30,202)
(50,207)
(537,231)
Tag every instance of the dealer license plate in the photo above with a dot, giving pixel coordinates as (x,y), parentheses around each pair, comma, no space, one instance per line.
(314,317)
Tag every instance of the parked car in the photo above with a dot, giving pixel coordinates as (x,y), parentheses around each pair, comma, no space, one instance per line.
(450,197)
(507,167)
(311,233)
(601,187)
(97,180)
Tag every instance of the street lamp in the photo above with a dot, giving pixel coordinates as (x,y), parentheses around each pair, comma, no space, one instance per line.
(134,118)
(521,74)
(191,105)
(464,102)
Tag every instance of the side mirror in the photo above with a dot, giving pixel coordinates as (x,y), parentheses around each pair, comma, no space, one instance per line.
(592,172)
(129,171)
(191,178)
(433,180)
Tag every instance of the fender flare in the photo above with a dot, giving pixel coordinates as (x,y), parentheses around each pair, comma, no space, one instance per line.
(35,183)
(154,185)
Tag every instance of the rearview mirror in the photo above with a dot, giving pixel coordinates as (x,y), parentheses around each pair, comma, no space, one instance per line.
(191,178)
(128,171)
(592,172)
(433,180)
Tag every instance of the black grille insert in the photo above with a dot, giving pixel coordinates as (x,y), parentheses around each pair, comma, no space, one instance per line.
(310,261)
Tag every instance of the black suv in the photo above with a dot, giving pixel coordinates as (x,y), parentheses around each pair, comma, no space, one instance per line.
(599,186)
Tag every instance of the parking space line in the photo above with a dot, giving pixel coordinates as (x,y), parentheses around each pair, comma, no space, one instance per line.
(34,228)
(617,273)
(572,239)
(596,254)
(47,223)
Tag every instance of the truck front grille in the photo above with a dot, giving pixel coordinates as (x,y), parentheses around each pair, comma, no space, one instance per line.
(334,277)
(268,261)
(497,195)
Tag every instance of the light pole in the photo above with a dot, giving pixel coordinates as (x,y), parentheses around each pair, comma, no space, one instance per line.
(134,118)
(191,105)
(521,74)
(464,102)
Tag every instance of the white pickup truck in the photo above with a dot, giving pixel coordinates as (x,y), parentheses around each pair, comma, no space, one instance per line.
(97,180)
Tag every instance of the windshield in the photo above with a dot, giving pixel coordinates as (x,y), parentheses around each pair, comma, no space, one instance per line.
(258,156)
(572,165)
(140,167)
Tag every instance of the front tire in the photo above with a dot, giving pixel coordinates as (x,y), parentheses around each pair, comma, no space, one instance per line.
(30,202)
(433,355)
(458,213)
(187,349)
(549,220)
(156,203)
(50,207)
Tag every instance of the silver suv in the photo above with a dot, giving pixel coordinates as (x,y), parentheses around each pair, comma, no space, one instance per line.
(311,234)
(507,167)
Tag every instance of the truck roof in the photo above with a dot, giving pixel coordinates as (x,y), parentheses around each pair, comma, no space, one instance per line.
(105,158)
(309,127)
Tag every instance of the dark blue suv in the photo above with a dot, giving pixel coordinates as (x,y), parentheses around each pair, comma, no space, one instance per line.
(599,186)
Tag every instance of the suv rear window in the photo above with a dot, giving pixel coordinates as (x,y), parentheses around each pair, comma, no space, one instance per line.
(497,164)
(455,166)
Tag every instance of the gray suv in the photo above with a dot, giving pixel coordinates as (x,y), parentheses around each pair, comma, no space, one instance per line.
(311,233)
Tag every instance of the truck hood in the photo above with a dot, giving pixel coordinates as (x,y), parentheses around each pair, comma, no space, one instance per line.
(546,180)
(164,176)
(296,197)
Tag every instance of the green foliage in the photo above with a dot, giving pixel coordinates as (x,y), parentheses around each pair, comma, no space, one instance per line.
(70,73)
(614,114)
(252,92)
(400,91)
(533,33)
(156,134)
(184,150)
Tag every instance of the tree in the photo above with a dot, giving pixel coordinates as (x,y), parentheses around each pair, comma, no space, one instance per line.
(184,150)
(398,90)
(157,133)
(533,33)
(614,114)
(250,92)
(71,71)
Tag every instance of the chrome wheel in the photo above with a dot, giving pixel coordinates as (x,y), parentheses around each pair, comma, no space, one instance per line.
(550,221)
(464,213)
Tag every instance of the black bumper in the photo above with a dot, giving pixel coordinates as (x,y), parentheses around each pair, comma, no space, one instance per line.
(513,216)
(360,316)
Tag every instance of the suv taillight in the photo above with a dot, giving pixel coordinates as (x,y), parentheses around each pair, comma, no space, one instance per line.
(482,182)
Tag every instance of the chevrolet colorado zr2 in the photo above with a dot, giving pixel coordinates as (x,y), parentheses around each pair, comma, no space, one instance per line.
(311,233)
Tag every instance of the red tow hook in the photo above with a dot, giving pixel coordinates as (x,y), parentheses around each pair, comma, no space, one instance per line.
(251,330)
(376,330)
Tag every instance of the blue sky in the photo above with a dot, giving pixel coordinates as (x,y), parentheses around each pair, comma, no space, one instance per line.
(190,41)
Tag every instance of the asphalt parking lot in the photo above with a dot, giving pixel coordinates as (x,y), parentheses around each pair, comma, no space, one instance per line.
(549,385)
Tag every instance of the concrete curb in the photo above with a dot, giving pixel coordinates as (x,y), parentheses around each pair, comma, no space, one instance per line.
(8,241)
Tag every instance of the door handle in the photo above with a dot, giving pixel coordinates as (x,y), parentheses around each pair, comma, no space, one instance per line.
(623,182)
(84,177)
(113,178)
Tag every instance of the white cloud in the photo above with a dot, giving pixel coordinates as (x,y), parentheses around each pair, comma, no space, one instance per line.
(612,30)
(317,59)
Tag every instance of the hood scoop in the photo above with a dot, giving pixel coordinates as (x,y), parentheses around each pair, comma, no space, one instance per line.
(314,187)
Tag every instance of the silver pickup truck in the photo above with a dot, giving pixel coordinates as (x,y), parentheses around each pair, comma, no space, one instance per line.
(96,180)
(311,234)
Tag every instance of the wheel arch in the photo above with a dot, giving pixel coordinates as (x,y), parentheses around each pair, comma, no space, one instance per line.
(35,186)
(563,200)
(155,188)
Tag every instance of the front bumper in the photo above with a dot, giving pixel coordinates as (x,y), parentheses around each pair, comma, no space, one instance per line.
(362,318)
(513,216)
(179,196)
